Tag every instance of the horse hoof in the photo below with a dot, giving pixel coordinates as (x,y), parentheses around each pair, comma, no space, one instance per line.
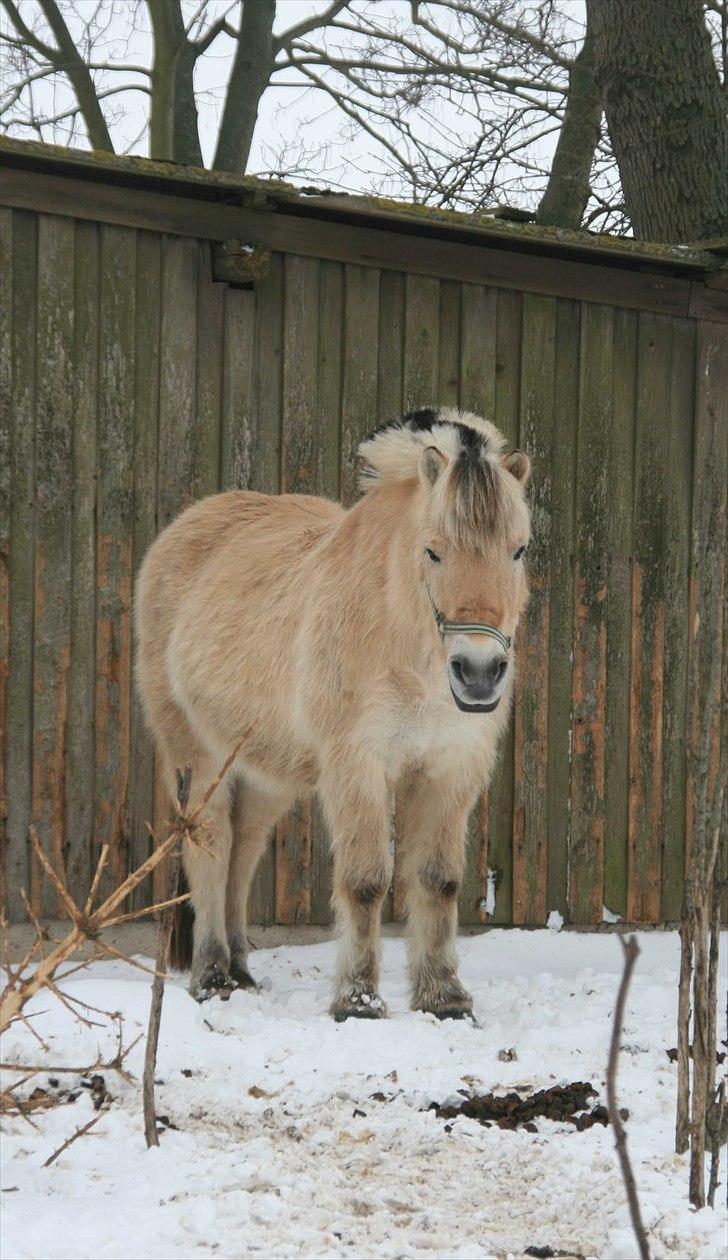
(358,1006)
(457,1012)
(242,978)
(213,982)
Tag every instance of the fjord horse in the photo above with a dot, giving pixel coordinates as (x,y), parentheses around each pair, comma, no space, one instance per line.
(370,652)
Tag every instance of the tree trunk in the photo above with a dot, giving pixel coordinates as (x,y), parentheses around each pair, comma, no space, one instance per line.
(249,78)
(567,190)
(173,129)
(666,116)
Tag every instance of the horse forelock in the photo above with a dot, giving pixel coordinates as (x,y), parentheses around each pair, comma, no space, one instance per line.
(471,500)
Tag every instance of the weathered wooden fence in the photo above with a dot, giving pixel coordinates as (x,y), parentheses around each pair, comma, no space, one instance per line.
(136,378)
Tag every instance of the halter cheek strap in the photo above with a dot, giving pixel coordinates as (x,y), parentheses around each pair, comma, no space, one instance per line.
(466,627)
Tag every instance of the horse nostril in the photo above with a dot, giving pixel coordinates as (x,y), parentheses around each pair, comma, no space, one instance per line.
(499,668)
(458,666)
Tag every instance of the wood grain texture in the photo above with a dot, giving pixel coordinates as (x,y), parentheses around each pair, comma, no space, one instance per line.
(648,621)
(360,369)
(561,603)
(638,288)
(530,846)
(53,480)
(19,700)
(589,683)
(79,763)
(421,348)
(620,473)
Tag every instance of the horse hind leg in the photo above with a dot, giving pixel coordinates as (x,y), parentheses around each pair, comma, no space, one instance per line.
(254,813)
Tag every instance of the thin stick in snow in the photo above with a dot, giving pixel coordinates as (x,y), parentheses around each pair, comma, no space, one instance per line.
(631,951)
(165,935)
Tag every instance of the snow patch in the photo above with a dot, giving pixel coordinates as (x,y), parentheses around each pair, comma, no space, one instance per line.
(299,1137)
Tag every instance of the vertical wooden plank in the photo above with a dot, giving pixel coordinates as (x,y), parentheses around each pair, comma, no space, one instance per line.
(586,864)
(618,609)
(390,360)
(236,434)
(478,322)
(54,425)
(265,477)
(360,368)
(561,606)
(265,463)
(114,521)
(79,769)
(19,703)
(652,478)
(6,439)
(421,349)
(178,377)
(532,680)
(328,465)
(448,372)
(148,314)
(677,473)
(300,455)
(210,344)
(499,804)
(708,517)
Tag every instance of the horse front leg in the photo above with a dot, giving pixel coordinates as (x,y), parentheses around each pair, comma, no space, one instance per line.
(433,824)
(358,807)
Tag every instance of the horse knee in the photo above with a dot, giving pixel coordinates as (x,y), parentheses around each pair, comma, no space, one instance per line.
(367,890)
(440,881)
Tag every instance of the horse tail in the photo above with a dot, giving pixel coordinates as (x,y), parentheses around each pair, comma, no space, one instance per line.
(180,951)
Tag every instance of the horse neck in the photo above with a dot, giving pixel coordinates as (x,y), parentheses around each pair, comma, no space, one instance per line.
(390,523)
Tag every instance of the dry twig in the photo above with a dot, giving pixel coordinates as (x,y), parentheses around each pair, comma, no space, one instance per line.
(74,1138)
(155,1010)
(631,951)
(89,923)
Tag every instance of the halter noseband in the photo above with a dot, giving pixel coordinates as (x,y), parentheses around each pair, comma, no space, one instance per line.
(466,627)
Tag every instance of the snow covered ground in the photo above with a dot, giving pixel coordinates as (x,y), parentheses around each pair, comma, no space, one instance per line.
(281,1150)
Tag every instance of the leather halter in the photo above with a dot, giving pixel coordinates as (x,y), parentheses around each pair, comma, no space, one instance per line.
(466,627)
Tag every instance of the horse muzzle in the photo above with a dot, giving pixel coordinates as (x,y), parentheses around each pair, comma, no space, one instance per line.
(477,680)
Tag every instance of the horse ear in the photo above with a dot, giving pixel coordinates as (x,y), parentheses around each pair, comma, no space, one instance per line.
(519,465)
(432,462)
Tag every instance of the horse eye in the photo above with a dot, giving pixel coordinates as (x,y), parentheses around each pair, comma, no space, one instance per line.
(435,559)
(520,553)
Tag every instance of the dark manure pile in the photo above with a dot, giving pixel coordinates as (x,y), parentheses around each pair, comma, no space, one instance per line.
(570,1103)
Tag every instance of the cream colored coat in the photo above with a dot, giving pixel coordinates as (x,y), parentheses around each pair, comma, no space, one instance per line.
(312,624)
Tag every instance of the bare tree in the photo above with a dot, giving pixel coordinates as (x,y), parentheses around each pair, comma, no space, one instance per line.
(455,103)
